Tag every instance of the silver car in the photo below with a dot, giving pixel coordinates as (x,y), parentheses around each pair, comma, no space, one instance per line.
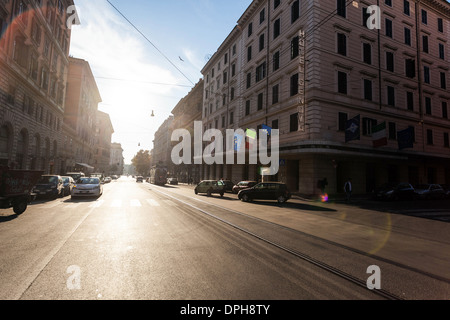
(87,187)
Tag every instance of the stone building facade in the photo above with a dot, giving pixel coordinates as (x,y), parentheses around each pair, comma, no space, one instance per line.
(34,52)
(312,68)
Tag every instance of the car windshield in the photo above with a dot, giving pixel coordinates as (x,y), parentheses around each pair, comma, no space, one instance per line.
(65,179)
(88,181)
(422,186)
(48,180)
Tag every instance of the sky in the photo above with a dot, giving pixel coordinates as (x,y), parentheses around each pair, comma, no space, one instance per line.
(154,67)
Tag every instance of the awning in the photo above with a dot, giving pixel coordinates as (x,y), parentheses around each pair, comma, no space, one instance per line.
(85,166)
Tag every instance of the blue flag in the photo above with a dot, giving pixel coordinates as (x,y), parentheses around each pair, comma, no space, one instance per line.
(353,129)
(406,138)
(238,139)
(267,129)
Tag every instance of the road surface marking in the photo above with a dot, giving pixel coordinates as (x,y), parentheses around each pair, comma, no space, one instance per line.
(97,204)
(135,203)
(153,203)
(116,204)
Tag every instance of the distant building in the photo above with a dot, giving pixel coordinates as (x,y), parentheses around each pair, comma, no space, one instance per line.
(185,113)
(117,160)
(161,153)
(103,135)
(80,115)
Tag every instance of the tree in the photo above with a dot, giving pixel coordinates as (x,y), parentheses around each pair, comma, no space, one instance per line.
(141,162)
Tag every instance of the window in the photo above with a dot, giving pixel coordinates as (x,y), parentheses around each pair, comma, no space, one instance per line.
(261,72)
(342,8)
(444,110)
(443,80)
(407,33)
(275,124)
(368,89)
(276,28)
(390,61)
(260,101)
(295,47)
(441,51)
(392,131)
(342,82)
(249,53)
(342,44)
(294,85)
(365,17)
(250,29)
(293,124)
(276,3)
(428,105)
(231,117)
(410,100)
(247,107)
(276,60)
(388,3)
(424,17)
(261,42)
(275,93)
(388,28)
(391,96)
(367,53)
(446,141)
(343,117)
(406,8)
(233,69)
(295,11)
(426,74)
(249,79)
(262,16)
(232,94)
(410,66)
(425,44)
(430,137)
(367,126)
(440,25)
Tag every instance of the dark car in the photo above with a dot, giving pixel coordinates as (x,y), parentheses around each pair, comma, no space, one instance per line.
(49,186)
(68,184)
(173,181)
(266,191)
(243,185)
(209,187)
(228,185)
(430,191)
(139,179)
(401,191)
(446,190)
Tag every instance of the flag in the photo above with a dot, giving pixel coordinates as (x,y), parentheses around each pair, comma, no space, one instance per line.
(353,129)
(379,136)
(406,138)
(267,129)
(252,136)
(238,142)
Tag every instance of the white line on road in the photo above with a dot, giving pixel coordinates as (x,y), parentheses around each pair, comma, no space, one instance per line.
(116,203)
(153,203)
(135,203)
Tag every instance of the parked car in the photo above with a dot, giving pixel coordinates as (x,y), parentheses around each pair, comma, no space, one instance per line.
(210,187)
(446,190)
(430,191)
(266,191)
(139,179)
(107,180)
(401,191)
(87,187)
(49,186)
(68,184)
(243,185)
(228,185)
(173,181)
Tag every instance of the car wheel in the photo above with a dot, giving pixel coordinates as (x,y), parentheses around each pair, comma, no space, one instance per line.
(281,199)
(20,207)
(221,195)
(195,191)
(245,198)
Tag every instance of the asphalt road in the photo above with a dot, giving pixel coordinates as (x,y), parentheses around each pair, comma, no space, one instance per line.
(143,242)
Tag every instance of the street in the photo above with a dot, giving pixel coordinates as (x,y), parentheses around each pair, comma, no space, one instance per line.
(144,242)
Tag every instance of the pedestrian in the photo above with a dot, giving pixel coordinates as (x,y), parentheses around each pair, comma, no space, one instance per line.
(348,189)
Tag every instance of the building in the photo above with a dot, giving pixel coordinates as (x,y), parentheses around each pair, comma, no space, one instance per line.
(103,135)
(185,113)
(117,160)
(80,115)
(161,153)
(34,49)
(349,101)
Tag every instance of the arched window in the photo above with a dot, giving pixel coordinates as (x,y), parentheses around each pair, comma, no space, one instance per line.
(22,149)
